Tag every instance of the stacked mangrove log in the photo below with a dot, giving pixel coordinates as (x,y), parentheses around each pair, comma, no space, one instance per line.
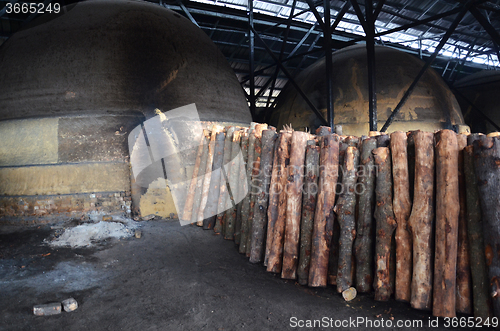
(413,216)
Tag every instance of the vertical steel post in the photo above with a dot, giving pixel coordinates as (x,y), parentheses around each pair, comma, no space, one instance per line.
(251,40)
(370,53)
(328,63)
(283,45)
(420,49)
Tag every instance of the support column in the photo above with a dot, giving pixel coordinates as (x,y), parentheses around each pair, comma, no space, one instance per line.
(370,53)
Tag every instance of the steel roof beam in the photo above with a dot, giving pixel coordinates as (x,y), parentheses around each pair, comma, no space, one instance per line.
(292,81)
(417,23)
(188,14)
(490,29)
(4,9)
(301,55)
(316,14)
(340,15)
(285,39)
(428,63)
(378,9)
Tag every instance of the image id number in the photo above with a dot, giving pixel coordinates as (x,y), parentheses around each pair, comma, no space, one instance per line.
(470,322)
(32,8)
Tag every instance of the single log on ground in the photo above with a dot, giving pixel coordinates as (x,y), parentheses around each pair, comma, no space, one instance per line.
(308,208)
(233,175)
(208,174)
(260,211)
(188,206)
(200,177)
(242,186)
(323,217)
(293,205)
(219,222)
(210,213)
(464,281)
(402,210)
(245,207)
(363,245)
(421,221)
(278,215)
(487,166)
(254,185)
(447,213)
(274,193)
(385,223)
(345,210)
(480,289)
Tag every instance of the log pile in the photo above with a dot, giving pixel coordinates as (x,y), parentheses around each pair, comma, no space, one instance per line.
(413,216)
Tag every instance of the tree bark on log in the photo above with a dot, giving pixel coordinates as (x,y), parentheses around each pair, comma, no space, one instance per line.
(411,162)
(464,281)
(242,186)
(345,210)
(480,289)
(200,177)
(208,174)
(234,168)
(385,223)
(261,204)
(421,221)
(277,213)
(402,211)
(447,213)
(333,259)
(293,205)
(363,245)
(343,144)
(338,129)
(473,137)
(308,208)
(323,217)
(323,131)
(245,207)
(274,193)
(487,167)
(188,206)
(219,222)
(383,140)
(210,213)
(254,184)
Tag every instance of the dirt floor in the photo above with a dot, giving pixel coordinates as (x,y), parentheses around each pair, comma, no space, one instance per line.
(173,278)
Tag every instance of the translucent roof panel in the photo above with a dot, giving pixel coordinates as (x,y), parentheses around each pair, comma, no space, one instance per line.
(395,14)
